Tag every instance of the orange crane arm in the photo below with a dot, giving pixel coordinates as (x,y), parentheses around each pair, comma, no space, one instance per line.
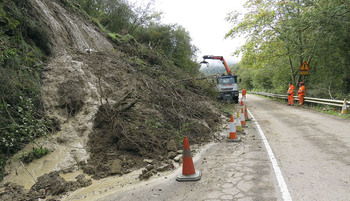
(221,58)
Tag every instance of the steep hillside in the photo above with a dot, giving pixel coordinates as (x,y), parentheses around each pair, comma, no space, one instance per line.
(116,103)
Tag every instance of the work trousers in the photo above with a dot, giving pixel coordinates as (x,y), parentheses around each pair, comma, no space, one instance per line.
(290,99)
(301,99)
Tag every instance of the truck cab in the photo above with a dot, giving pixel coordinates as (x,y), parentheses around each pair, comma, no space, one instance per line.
(227,87)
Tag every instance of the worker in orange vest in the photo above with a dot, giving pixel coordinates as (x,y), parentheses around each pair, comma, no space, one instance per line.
(301,93)
(290,94)
(244,92)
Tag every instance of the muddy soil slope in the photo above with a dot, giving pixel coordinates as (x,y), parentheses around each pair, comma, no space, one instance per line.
(115,104)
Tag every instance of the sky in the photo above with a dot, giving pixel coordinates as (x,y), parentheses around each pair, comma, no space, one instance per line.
(205,22)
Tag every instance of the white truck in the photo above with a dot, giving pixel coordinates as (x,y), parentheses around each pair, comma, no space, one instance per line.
(227,85)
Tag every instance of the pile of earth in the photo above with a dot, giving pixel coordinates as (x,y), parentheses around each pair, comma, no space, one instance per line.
(119,106)
(49,185)
(149,121)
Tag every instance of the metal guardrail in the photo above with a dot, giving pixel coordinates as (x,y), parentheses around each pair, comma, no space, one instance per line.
(336,103)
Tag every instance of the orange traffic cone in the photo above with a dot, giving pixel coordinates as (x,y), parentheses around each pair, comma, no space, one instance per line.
(188,171)
(243,119)
(233,134)
(232,128)
(246,113)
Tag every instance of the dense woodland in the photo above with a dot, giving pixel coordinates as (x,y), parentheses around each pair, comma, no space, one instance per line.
(281,35)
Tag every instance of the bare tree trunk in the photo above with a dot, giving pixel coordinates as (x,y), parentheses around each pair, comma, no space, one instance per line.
(291,67)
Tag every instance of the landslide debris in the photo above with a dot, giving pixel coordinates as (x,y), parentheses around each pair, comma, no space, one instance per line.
(48,186)
(120,106)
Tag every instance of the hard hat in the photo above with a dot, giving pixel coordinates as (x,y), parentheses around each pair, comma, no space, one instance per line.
(301,82)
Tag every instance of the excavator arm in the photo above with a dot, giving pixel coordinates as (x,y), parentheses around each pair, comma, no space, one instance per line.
(221,58)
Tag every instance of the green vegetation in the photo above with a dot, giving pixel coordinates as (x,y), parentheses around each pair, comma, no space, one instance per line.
(39,152)
(24,47)
(122,21)
(281,35)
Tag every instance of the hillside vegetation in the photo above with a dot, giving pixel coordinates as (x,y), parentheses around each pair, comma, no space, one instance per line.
(24,49)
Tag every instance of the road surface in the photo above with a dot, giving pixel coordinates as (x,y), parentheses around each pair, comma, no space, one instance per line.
(312,148)
(311,151)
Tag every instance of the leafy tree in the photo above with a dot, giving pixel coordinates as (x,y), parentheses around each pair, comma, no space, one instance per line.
(143,23)
(93,8)
(173,41)
(281,35)
(117,15)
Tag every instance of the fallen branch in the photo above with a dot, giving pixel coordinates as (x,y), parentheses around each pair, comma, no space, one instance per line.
(125,135)
(27,171)
(129,106)
(119,102)
(143,80)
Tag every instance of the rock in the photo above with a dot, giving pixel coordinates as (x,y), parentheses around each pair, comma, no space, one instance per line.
(145,174)
(171,154)
(154,171)
(42,193)
(178,158)
(171,145)
(163,167)
(83,182)
(180,151)
(11,191)
(72,185)
(52,183)
(149,167)
(149,161)
(2,191)
(116,167)
(89,169)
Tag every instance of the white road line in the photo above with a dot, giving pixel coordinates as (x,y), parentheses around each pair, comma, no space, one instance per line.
(281,183)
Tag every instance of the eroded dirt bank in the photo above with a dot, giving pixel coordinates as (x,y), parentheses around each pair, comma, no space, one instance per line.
(112,111)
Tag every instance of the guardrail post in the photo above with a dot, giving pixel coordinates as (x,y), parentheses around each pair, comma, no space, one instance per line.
(344,109)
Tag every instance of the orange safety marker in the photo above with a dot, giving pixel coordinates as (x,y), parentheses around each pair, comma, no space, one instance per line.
(188,171)
(232,128)
(233,133)
(246,113)
(243,119)
(242,103)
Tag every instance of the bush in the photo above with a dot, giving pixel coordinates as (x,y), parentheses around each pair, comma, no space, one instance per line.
(34,154)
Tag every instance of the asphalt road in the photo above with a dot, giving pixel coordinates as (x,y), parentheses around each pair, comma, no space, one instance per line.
(311,151)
